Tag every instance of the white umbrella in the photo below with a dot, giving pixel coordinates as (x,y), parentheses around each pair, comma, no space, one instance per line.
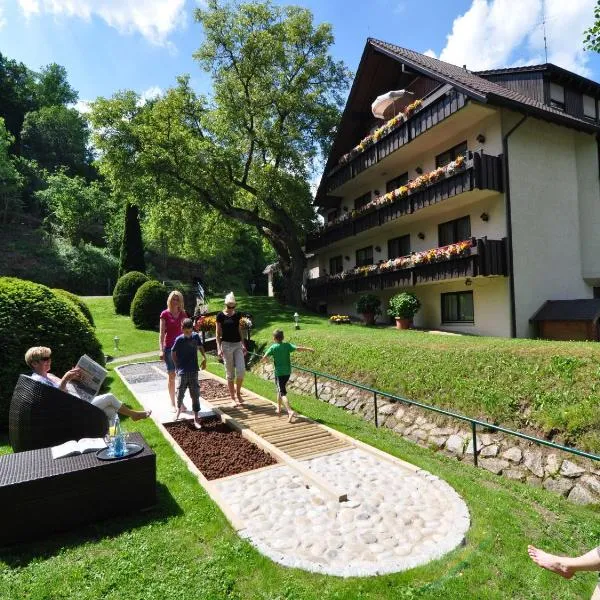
(384,105)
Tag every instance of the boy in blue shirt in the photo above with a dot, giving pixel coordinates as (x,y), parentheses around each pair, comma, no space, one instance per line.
(280,351)
(185,356)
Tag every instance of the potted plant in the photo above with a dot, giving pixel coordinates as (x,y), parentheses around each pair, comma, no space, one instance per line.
(368,306)
(403,308)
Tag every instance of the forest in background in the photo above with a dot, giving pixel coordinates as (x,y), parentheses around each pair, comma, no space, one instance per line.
(62,222)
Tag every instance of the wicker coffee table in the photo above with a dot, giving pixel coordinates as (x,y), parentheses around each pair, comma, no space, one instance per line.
(39,495)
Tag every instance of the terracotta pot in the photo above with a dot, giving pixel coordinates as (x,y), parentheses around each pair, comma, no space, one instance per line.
(369,318)
(403,323)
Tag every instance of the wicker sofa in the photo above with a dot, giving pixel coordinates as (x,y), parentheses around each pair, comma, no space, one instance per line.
(41,416)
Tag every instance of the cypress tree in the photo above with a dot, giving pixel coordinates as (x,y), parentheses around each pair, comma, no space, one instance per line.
(132,247)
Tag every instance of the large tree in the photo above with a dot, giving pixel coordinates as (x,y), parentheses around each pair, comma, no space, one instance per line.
(248,151)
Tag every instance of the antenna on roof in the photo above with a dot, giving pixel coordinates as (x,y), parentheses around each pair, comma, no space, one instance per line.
(544,26)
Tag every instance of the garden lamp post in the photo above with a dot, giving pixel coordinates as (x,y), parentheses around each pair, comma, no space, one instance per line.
(297,320)
(116,341)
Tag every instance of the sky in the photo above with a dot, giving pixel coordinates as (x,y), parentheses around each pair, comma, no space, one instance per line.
(143,45)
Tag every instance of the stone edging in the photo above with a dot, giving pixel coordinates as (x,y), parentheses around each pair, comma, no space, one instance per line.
(576,478)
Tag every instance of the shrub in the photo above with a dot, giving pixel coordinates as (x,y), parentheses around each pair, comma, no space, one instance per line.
(150,300)
(404,306)
(132,246)
(125,291)
(369,303)
(78,302)
(32,315)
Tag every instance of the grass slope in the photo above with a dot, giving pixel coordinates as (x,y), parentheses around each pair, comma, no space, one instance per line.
(549,388)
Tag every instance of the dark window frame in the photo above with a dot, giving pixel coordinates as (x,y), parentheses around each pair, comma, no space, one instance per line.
(396,182)
(446,318)
(458,150)
(404,238)
(340,264)
(362,263)
(455,229)
(332,215)
(362,200)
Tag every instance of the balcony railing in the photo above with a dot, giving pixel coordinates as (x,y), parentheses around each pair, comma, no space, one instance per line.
(483,258)
(482,172)
(419,123)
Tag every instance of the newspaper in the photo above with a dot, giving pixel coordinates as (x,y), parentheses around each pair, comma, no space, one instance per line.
(90,380)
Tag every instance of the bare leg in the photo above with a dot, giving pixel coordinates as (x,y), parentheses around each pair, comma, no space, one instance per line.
(565,566)
(238,389)
(278,404)
(231,386)
(136,415)
(171,386)
(290,412)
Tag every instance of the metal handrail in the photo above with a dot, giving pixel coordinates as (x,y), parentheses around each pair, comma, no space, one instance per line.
(474,422)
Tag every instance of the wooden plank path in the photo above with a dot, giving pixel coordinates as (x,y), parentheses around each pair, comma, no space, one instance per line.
(301,440)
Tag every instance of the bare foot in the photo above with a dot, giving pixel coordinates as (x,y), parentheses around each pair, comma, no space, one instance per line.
(178,413)
(240,399)
(291,417)
(550,562)
(173,409)
(278,411)
(197,423)
(141,414)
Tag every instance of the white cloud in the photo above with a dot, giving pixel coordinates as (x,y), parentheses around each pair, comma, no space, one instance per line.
(150,94)
(492,33)
(82,106)
(153,19)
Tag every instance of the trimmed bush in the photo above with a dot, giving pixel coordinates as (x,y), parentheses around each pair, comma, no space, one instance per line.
(125,291)
(32,315)
(150,300)
(78,302)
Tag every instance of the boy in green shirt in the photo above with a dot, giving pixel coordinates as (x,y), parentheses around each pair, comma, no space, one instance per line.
(280,351)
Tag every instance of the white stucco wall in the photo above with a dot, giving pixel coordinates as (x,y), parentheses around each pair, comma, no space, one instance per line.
(545,173)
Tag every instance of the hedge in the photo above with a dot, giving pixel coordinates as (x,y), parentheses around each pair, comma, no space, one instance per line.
(32,315)
(150,300)
(125,291)
(78,302)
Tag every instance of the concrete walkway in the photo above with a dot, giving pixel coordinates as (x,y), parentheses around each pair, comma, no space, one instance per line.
(396,516)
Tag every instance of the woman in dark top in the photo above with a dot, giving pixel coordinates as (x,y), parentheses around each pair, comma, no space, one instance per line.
(230,347)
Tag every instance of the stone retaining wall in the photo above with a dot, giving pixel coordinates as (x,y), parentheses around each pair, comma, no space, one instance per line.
(576,478)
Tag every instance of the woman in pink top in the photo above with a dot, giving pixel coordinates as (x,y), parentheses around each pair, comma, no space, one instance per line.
(170,327)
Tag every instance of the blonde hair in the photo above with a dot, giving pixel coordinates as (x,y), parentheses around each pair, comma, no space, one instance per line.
(36,353)
(230,299)
(175,294)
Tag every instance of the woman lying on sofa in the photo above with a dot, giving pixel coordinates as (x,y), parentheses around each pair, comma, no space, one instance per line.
(39,359)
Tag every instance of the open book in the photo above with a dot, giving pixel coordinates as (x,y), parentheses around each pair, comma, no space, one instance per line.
(81,446)
(92,376)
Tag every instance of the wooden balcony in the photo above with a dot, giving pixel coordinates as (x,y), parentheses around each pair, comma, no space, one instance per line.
(484,258)
(423,120)
(482,171)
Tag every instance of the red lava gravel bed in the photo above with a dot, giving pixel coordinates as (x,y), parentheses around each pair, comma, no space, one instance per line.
(217,450)
(209,389)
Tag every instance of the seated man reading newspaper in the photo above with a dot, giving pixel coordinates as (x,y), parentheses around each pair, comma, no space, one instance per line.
(83,381)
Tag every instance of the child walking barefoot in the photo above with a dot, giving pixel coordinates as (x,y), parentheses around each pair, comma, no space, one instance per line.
(280,351)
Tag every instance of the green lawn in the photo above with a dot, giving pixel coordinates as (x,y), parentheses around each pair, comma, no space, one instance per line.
(185,549)
(110,325)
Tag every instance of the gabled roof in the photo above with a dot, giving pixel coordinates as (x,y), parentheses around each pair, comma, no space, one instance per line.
(569,310)
(480,88)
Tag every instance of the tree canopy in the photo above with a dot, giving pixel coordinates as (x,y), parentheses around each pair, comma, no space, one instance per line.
(591,40)
(248,151)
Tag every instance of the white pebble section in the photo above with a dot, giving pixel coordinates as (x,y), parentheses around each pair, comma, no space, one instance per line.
(395,519)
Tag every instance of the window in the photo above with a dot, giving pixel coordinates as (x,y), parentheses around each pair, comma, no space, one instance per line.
(557,96)
(596,292)
(454,231)
(336,265)
(441,160)
(332,215)
(395,183)
(399,246)
(362,200)
(457,307)
(589,107)
(364,256)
